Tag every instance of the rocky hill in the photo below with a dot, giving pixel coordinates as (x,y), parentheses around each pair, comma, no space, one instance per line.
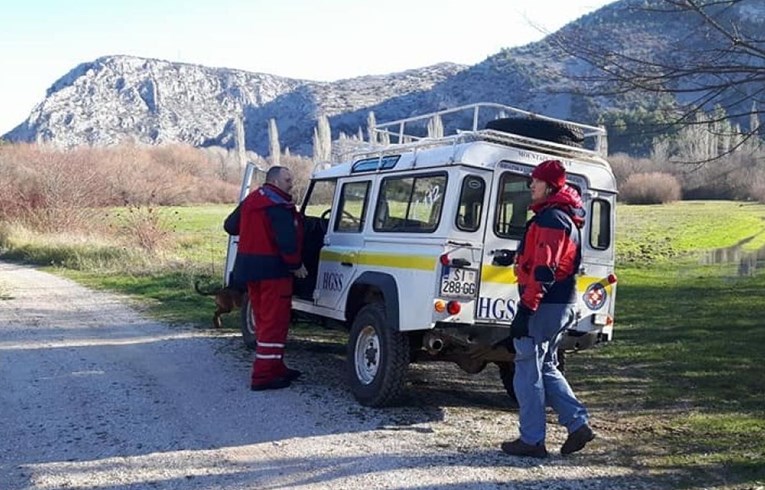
(116,98)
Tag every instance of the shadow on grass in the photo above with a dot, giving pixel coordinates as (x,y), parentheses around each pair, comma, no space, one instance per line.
(685,372)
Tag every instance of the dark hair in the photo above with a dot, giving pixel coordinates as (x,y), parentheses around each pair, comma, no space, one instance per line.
(273,173)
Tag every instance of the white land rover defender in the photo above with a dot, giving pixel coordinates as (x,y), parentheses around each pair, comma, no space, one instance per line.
(411,245)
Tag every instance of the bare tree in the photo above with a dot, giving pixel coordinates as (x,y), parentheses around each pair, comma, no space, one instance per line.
(435,127)
(239,140)
(371,125)
(273,142)
(322,140)
(707,53)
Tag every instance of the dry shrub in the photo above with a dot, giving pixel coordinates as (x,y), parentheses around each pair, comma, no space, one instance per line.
(650,188)
(226,163)
(135,177)
(737,176)
(758,192)
(625,166)
(147,227)
(53,189)
(47,189)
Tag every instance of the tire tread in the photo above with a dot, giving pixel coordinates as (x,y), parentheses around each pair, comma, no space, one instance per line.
(395,366)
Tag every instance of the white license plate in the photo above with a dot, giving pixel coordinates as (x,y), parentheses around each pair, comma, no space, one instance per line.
(457,282)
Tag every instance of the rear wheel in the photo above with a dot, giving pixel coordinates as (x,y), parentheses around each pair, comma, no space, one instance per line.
(377,358)
(249,328)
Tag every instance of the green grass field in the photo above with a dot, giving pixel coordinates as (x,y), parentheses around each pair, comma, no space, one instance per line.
(682,385)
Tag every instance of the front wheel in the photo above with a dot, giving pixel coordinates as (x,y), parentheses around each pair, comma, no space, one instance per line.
(377,358)
(249,328)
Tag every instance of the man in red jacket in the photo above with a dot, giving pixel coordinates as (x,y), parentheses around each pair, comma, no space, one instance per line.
(546,265)
(268,256)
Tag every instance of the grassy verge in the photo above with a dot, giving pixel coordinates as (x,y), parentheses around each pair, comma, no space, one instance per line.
(654,234)
(684,374)
(681,386)
(162,280)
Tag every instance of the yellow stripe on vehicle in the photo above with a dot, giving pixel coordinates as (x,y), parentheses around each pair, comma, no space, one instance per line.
(498,274)
(506,276)
(489,273)
(419,262)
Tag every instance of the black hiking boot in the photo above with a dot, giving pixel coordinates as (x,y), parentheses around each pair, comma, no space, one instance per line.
(292,374)
(520,448)
(577,440)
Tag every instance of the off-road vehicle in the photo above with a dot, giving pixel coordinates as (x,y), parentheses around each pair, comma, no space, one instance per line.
(410,245)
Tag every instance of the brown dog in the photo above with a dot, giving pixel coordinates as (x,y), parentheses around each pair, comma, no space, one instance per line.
(226,299)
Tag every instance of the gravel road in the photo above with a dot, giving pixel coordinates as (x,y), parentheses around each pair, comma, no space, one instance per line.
(95,395)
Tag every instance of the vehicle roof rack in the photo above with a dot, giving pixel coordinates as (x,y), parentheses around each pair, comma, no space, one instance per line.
(466,123)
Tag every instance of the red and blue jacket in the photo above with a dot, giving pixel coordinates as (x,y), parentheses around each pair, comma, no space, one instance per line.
(550,251)
(270,235)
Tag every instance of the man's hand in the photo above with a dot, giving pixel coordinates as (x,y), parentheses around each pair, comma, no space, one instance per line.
(301,273)
(520,326)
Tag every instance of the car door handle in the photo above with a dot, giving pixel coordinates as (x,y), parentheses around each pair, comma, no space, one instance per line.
(503,257)
(346,264)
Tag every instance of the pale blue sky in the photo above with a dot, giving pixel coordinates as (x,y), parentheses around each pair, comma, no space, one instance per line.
(41,40)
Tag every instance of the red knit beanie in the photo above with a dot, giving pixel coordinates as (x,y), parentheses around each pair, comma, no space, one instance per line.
(551,172)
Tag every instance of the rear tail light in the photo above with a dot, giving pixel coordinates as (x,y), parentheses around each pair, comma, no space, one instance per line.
(444,259)
(439,306)
(611,278)
(453,307)
(602,319)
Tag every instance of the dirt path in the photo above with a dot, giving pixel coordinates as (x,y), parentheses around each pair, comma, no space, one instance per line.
(94,395)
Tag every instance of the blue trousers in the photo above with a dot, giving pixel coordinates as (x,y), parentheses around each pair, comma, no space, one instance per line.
(537,381)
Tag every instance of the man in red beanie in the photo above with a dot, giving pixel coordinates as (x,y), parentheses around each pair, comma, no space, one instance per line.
(546,264)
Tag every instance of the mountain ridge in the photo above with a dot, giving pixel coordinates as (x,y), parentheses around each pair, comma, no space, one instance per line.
(151,101)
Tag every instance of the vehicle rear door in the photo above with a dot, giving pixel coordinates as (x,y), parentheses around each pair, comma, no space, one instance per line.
(504,227)
(498,293)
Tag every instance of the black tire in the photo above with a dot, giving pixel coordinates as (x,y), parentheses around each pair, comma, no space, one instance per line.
(542,129)
(506,373)
(249,329)
(377,358)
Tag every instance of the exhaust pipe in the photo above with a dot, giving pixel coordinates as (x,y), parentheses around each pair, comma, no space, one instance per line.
(433,343)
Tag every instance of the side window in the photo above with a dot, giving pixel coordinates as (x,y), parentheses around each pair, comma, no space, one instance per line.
(319,199)
(512,206)
(470,208)
(377,163)
(352,209)
(410,204)
(513,202)
(600,224)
